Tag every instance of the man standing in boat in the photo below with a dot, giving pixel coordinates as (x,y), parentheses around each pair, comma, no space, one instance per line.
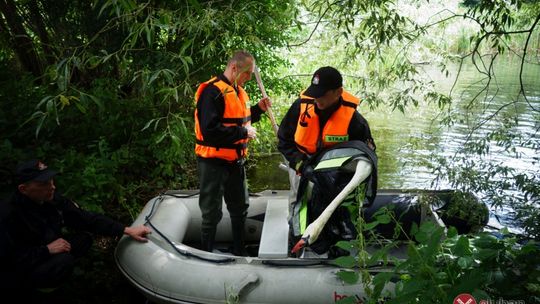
(324,115)
(223,128)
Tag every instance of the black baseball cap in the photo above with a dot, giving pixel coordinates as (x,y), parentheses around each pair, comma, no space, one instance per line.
(33,170)
(324,79)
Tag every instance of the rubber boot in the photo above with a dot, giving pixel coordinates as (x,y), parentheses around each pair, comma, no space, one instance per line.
(239,247)
(208,236)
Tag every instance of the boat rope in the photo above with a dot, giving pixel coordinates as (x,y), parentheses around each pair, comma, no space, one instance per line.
(179,196)
(158,200)
(308,263)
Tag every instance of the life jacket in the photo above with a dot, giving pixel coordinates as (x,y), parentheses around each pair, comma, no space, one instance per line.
(236,113)
(309,138)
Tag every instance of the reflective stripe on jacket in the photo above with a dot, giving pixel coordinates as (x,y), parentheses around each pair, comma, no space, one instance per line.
(236,114)
(309,138)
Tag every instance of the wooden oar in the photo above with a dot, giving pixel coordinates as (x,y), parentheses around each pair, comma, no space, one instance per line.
(292,174)
(263,92)
(363,170)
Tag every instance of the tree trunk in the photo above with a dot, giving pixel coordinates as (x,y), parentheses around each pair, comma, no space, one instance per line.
(20,41)
(41,30)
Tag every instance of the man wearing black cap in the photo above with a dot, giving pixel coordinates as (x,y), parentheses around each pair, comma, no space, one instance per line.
(35,249)
(323,116)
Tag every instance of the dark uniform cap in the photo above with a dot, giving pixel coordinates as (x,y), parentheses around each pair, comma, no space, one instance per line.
(323,80)
(33,170)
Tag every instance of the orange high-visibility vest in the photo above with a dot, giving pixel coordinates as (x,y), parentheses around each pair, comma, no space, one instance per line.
(236,113)
(309,138)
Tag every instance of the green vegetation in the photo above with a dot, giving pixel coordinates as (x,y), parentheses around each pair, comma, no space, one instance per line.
(103,91)
(441,265)
(108,95)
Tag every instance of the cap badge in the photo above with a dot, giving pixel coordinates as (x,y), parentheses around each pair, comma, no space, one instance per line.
(41,166)
(315,80)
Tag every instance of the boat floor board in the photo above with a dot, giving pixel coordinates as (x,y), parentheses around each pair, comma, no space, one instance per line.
(275,232)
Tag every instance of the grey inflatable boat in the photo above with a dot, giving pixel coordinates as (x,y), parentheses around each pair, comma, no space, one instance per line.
(170,269)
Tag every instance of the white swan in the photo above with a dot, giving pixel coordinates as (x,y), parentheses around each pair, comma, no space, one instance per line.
(362,171)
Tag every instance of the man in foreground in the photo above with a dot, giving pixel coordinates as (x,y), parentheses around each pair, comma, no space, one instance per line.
(43,234)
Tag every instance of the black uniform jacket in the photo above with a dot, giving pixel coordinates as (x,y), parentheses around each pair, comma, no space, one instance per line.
(26,227)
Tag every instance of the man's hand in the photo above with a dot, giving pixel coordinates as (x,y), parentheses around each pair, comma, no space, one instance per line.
(252,132)
(58,246)
(371,144)
(298,163)
(265,103)
(138,233)
(298,167)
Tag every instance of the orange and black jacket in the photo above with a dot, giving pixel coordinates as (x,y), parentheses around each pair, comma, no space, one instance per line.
(305,129)
(220,136)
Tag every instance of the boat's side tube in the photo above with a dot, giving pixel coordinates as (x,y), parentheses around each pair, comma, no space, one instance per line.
(170,218)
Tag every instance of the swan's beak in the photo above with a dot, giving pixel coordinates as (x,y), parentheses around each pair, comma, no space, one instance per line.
(303,242)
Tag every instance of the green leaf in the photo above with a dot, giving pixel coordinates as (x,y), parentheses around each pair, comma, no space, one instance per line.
(154,76)
(383,277)
(441,276)
(414,285)
(148,35)
(40,124)
(452,232)
(412,252)
(175,140)
(161,138)
(384,218)
(168,75)
(96,101)
(187,43)
(80,107)
(469,281)
(462,247)
(465,262)
(414,229)
(50,106)
(371,225)
(105,5)
(42,101)
(346,245)
(345,261)
(422,237)
(377,256)
(349,277)
(148,124)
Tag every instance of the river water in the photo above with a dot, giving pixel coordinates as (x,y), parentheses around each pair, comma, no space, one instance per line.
(407,142)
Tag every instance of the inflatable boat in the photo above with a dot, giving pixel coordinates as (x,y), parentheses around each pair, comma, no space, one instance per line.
(170,267)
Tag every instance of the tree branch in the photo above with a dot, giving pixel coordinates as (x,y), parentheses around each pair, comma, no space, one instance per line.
(316,26)
(522,87)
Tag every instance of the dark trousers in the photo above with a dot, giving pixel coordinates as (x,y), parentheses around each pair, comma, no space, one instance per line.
(218,180)
(57,269)
(39,284)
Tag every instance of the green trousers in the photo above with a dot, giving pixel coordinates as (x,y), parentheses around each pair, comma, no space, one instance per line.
(218,180)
